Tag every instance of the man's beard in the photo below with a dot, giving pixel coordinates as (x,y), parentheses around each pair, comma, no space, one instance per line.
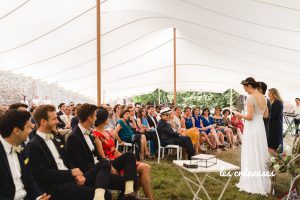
(51,128)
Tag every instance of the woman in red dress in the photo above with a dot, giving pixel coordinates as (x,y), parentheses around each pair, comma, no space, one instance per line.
(105,144)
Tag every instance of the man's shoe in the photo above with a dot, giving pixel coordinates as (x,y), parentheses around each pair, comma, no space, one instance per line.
(134,196)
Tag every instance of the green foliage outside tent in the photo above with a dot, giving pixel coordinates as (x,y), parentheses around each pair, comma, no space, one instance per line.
(191,98)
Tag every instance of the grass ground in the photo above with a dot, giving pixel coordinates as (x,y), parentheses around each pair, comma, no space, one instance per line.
(168,184)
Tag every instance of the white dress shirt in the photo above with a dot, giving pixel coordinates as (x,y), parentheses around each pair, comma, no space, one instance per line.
(59,162)
(15,169)
(88,140)
(66,119)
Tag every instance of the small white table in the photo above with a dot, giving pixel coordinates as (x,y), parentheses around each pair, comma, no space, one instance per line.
(221,165)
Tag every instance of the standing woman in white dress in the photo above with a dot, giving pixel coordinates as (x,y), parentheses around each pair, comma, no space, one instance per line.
(254,153)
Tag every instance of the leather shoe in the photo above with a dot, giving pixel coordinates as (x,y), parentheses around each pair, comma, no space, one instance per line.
(134,196)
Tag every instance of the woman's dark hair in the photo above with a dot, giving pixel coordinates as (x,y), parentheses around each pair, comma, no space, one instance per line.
(13,119)
(102,116)
(115,108)
(250,81)
(187,108)
(263,87)
(140,113)
(193,112)
(297,99)
(123,113)
(176,108)
(85,111)
(205,109)
(226,110)
(218,108)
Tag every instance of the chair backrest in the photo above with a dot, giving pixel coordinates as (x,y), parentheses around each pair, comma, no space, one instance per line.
(158,139)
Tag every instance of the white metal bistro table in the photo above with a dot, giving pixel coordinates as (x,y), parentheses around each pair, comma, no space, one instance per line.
(220,165)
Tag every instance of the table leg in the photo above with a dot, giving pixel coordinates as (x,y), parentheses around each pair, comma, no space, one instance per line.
(188,183)
(201,185)
(226,185)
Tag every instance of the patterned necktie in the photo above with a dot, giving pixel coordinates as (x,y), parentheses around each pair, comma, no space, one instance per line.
(49,136)
(17,149)
(87,133)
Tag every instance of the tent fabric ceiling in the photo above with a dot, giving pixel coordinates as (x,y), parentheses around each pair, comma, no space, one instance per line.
(218,44)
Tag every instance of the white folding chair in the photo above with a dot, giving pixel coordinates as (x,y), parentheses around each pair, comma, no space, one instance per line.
(125,147)
(170,146)
(293,178)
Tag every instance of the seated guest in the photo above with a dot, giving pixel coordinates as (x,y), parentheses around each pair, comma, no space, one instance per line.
(203,136)
(152,121)
(137,106)
(218,120)
(16,181)
(61,107)
(237,122)
(67,117)
(207,123)
(117,111)
(145,129)
(54,173)
(133,120)
(81,150)
(106,148)
(23,107)
(188,126)
(111,120)
(169,136)
(227,123)
(74,120)
(124,133)
(72,105)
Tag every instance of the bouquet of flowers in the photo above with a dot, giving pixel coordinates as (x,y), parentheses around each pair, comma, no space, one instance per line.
(280,162)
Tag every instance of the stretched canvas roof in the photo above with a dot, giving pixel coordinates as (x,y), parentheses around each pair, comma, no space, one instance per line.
(219,43)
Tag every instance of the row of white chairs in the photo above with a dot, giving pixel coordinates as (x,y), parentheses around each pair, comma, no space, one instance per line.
(161,149)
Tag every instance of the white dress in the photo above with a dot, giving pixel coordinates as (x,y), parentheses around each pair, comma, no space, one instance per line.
(254,154)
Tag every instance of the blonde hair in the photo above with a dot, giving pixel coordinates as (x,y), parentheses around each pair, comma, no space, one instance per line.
(276,94)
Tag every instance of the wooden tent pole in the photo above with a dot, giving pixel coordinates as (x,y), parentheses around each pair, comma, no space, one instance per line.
(175,74)
(98,54)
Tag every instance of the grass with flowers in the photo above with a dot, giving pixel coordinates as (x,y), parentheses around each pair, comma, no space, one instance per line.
(168,184)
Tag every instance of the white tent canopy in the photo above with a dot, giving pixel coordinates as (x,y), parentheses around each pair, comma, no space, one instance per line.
(219,43)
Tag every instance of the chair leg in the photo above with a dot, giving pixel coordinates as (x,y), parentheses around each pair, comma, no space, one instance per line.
(163,152)
(158,159)
(292,183)
(178,154)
